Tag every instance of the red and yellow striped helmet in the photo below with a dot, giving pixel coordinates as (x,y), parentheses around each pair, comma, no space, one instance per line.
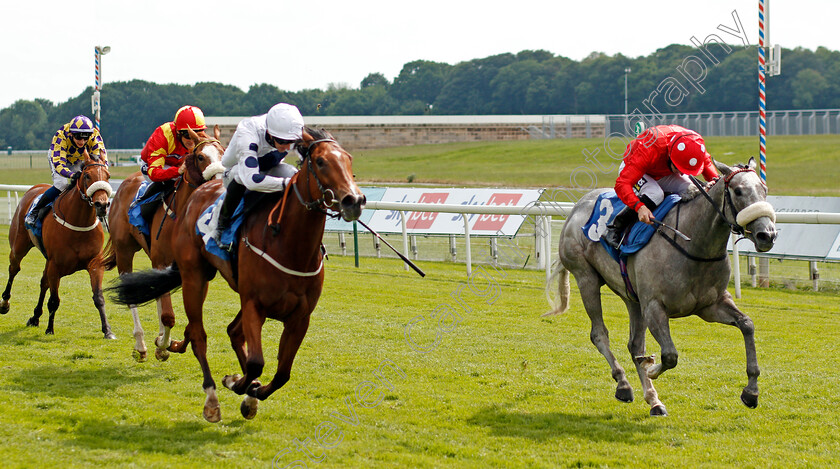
(189,117)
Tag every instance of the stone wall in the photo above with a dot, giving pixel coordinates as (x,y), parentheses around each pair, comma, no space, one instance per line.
(358,132)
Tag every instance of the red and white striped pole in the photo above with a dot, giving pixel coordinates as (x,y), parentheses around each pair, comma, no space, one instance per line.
(95,103)
(762,105)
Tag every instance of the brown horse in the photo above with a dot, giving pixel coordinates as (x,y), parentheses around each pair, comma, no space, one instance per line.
(72,239)
(277,268)
(201,165)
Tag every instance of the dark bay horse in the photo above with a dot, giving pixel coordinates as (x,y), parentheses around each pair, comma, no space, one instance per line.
(72,239)
(201,165)
(277,269)
(673,278)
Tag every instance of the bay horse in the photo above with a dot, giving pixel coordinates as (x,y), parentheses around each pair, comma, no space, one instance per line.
(202,164)
(277,268)
(72,238)
(672,277)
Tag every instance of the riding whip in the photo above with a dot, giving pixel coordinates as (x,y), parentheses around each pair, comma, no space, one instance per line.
(678,232)
(404,259)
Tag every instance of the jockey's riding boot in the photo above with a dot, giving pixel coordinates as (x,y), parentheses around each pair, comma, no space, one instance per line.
(233,195)
(615,231)
(35,214)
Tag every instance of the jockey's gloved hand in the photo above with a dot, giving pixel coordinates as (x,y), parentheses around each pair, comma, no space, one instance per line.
(75,177)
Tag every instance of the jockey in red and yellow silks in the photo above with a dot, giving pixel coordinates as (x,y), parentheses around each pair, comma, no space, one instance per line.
(169,143)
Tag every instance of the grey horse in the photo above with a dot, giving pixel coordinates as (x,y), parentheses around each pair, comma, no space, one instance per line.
(672,277)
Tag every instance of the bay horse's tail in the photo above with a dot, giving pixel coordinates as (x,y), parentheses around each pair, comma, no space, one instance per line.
(138,288)
(109,260)
(560,304)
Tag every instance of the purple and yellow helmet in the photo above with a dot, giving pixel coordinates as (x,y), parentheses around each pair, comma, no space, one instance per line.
(81,124)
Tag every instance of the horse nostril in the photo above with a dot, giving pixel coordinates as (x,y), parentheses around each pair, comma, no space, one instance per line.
(765,237)
(352,200)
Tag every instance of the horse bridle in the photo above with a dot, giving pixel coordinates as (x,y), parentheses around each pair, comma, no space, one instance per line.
(727,199)
(327,199)
(88,198)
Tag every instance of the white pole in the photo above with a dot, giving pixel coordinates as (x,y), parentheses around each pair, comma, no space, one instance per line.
(736,261)
(405,236)
(467,242)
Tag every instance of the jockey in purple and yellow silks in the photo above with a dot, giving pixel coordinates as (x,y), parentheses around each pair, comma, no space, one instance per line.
(66,155)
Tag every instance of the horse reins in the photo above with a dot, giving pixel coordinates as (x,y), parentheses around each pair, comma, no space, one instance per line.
(168,209)
(734,227)
(59,218)
(316,204)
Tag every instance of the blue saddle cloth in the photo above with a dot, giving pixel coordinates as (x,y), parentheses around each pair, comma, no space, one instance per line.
(39,224)
(206,226)
(607,206)
(135,217)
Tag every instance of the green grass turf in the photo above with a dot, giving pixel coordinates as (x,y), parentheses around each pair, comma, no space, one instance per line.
(500,387)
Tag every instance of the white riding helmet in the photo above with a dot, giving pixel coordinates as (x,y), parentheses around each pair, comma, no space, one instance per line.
(285,122)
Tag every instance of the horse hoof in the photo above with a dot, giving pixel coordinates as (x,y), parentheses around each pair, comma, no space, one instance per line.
(624,394)
(749,399)
(4,308)
(212,414)
(658,411)
(110,336)
(49,332)
(139,356)
(249,407)
(161,354)
(32,322)
(229,380)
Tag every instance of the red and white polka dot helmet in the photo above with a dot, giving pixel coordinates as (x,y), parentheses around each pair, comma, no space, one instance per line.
(688,153)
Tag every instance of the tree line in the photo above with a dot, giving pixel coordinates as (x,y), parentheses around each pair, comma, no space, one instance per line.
(715,77)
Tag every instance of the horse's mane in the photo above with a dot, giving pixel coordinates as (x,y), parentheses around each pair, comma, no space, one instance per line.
(689,193)
(317,134)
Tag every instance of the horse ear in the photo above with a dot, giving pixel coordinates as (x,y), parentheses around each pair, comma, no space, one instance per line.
(722,168)
(217,132)
(193,136)
(752,163)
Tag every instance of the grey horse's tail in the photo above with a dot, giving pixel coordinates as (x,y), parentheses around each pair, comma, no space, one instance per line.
(560,304)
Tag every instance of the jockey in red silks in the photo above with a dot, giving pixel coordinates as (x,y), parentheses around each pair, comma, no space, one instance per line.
(656,162)
(165,150)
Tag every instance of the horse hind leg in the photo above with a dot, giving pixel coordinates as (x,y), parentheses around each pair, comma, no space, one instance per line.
(166,319)
(726,312)
(14,269)
(590,292)
(636,346)
(140,350)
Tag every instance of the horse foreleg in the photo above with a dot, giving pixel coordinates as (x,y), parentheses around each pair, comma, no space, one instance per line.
(52,307)
(725,312)
(293,333)
(636,346)
(656,319)
(96,275)
(39,308)
(237,339)
(590,293)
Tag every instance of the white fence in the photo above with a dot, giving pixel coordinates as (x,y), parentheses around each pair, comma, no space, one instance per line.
(543,211)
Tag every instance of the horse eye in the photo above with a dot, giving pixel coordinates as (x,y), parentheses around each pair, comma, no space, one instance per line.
(320,162)
(738,192)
